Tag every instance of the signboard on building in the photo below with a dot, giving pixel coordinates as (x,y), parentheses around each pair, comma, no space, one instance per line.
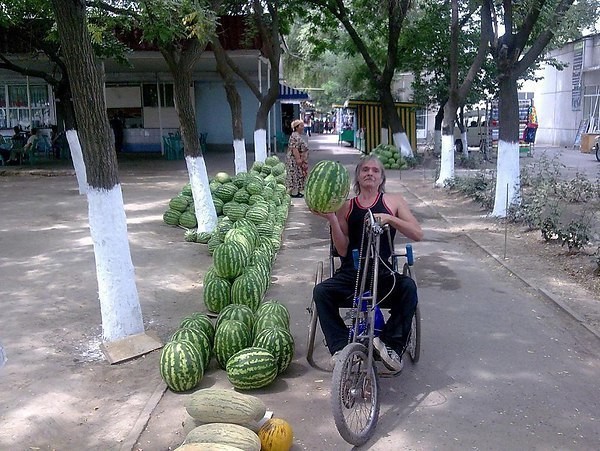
(578,50)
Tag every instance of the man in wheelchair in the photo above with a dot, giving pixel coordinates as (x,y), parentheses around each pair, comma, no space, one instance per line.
(395,291)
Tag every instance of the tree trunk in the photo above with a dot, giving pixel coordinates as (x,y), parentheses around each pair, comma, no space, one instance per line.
(235,105)
(437,129)
(119,302)
(447,159)
(181,65)
(262,118)
(508,178)
(393,120)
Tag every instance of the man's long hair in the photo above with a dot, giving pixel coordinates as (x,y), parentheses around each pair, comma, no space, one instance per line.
(359,166)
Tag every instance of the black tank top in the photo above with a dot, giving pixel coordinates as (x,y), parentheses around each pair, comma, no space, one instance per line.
(355,219)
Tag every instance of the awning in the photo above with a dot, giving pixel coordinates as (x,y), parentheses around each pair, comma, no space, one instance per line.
(288,93)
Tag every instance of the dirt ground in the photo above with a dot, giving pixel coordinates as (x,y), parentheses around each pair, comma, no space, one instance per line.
(62,393)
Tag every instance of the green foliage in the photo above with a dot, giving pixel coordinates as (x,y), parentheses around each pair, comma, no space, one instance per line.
(480,187)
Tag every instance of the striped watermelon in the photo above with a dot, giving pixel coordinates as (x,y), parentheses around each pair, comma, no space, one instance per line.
(242,237)
(199,338)
(230,259)
(266,321)
(188,219)
(248,290)
(251,368)
(235,210)
(257,213)
(216,294)
(238,312)
(225,191)
(171,217)
(274,307)
(278,342)
(201,322)
(179,203)
(231,336)
(181,365)
(327,187)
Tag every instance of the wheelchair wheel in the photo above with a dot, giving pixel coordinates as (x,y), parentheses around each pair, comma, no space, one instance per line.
(414,341)
(355,395)
(312,322)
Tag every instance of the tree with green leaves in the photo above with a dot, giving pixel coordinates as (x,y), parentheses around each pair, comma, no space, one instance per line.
(181,29)
(523,31)
(374,30)
(458,88)
(119,301)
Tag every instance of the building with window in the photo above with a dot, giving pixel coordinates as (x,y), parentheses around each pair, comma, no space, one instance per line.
(568,101)
(140,95)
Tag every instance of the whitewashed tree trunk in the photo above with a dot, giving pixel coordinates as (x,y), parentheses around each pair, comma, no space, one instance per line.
(206,215)
(114,268)
(260,145)
(447,160)
(465,143)
(508,179)
(384,135)
(77,157)
(239,155)
(402,143)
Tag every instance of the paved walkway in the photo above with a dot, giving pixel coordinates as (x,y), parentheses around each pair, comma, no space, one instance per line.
(63,395)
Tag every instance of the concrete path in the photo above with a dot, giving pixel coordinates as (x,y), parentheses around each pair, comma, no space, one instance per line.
(503,365)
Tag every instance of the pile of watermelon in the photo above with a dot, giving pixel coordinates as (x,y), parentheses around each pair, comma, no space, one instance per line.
(252,346)
(389,156)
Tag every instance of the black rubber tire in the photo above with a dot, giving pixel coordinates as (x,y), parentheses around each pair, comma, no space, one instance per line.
(312,322)
(597,146)
(355,395)
(414,342)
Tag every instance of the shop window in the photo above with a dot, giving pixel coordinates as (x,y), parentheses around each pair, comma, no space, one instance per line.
(27,106)
(150,95)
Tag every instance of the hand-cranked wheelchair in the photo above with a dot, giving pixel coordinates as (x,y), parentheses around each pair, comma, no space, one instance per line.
(355,390)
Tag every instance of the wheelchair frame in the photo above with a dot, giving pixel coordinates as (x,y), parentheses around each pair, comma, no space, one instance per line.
(355,385)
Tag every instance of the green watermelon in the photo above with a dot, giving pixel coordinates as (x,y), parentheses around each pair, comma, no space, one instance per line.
(267,321)
(274,307)
(230,259)
(187,190)
(272,160)
(181,365)
(188,220)
(248,290)
(222,177)
(278,342)
(251,368)
(199,338)
(327,187)
(203,237)
(238,312)
(226,191)
(216,294)
(201,322)
(179,203)
(190,236)
(230,337)
(171,217)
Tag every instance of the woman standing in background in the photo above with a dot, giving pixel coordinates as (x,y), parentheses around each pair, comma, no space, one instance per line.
(296,162)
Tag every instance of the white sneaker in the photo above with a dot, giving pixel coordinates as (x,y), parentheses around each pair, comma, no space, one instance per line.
(334,358)
(389,357)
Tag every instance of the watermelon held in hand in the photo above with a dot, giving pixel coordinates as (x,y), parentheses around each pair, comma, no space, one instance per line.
(327,187)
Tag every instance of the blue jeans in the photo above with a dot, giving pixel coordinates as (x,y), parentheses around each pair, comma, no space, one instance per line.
(337,292)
